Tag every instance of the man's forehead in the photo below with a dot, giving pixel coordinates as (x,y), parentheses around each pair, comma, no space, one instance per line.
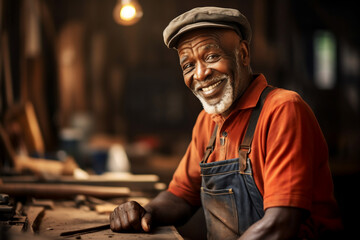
(205,35)
(211,37)
(187,49)
(199,42)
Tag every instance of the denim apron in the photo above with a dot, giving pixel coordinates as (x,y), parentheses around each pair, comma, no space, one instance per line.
(230,198)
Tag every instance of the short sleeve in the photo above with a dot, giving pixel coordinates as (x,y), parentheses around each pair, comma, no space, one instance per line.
(294,147)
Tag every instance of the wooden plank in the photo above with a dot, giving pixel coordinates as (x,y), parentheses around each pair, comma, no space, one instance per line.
(23,114)
(141,182)
(47,204)
(105,208)
(61,191)
(35,140)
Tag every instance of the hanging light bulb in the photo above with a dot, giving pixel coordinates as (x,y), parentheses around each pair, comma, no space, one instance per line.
(127,12)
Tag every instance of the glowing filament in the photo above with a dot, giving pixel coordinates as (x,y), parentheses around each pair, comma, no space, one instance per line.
(128,12)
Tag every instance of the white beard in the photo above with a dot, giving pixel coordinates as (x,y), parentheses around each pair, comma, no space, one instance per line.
(221,106)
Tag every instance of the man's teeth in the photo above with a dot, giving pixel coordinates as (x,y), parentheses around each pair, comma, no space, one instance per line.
(211,87)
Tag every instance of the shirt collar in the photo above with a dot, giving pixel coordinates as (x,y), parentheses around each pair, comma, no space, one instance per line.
(251,96)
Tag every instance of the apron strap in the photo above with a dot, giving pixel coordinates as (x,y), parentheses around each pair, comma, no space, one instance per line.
(245,146)
(210,148)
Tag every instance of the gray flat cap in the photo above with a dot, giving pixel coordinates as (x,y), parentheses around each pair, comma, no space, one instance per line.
(203,17)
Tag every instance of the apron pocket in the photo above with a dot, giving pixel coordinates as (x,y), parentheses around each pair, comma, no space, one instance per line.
(221,212)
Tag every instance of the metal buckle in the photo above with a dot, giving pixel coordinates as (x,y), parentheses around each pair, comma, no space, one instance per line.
(209,148)
(245,147)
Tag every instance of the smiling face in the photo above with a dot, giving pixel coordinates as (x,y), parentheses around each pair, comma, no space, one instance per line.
(215,65)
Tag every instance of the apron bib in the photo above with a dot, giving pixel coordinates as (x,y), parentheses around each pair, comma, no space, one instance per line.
(230,198)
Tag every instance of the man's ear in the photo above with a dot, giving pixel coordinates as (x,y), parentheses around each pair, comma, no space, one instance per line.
(244,53)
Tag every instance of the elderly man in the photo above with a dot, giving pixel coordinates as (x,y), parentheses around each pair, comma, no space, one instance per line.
(257,161)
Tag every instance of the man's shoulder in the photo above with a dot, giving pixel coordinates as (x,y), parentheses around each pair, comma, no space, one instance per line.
(280,96)
(283,102)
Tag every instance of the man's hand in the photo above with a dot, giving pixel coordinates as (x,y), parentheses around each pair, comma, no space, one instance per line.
(130,216)
(164,209)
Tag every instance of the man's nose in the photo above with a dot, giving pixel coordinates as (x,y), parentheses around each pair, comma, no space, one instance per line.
(201,72)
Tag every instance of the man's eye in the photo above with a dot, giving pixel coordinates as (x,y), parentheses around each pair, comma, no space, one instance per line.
(212,57)
(186,66)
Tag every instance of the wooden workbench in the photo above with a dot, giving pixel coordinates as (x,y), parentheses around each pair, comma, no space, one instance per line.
(65,217)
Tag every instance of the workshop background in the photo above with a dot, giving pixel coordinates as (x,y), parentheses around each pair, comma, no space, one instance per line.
(93,86)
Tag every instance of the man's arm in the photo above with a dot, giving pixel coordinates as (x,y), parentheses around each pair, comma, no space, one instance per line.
(277,223)
(165,209)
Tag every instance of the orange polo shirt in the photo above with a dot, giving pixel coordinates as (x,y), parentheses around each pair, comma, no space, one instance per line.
(289,154)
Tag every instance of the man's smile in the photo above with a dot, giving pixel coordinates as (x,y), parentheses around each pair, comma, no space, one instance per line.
(211,90)
(208,90)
